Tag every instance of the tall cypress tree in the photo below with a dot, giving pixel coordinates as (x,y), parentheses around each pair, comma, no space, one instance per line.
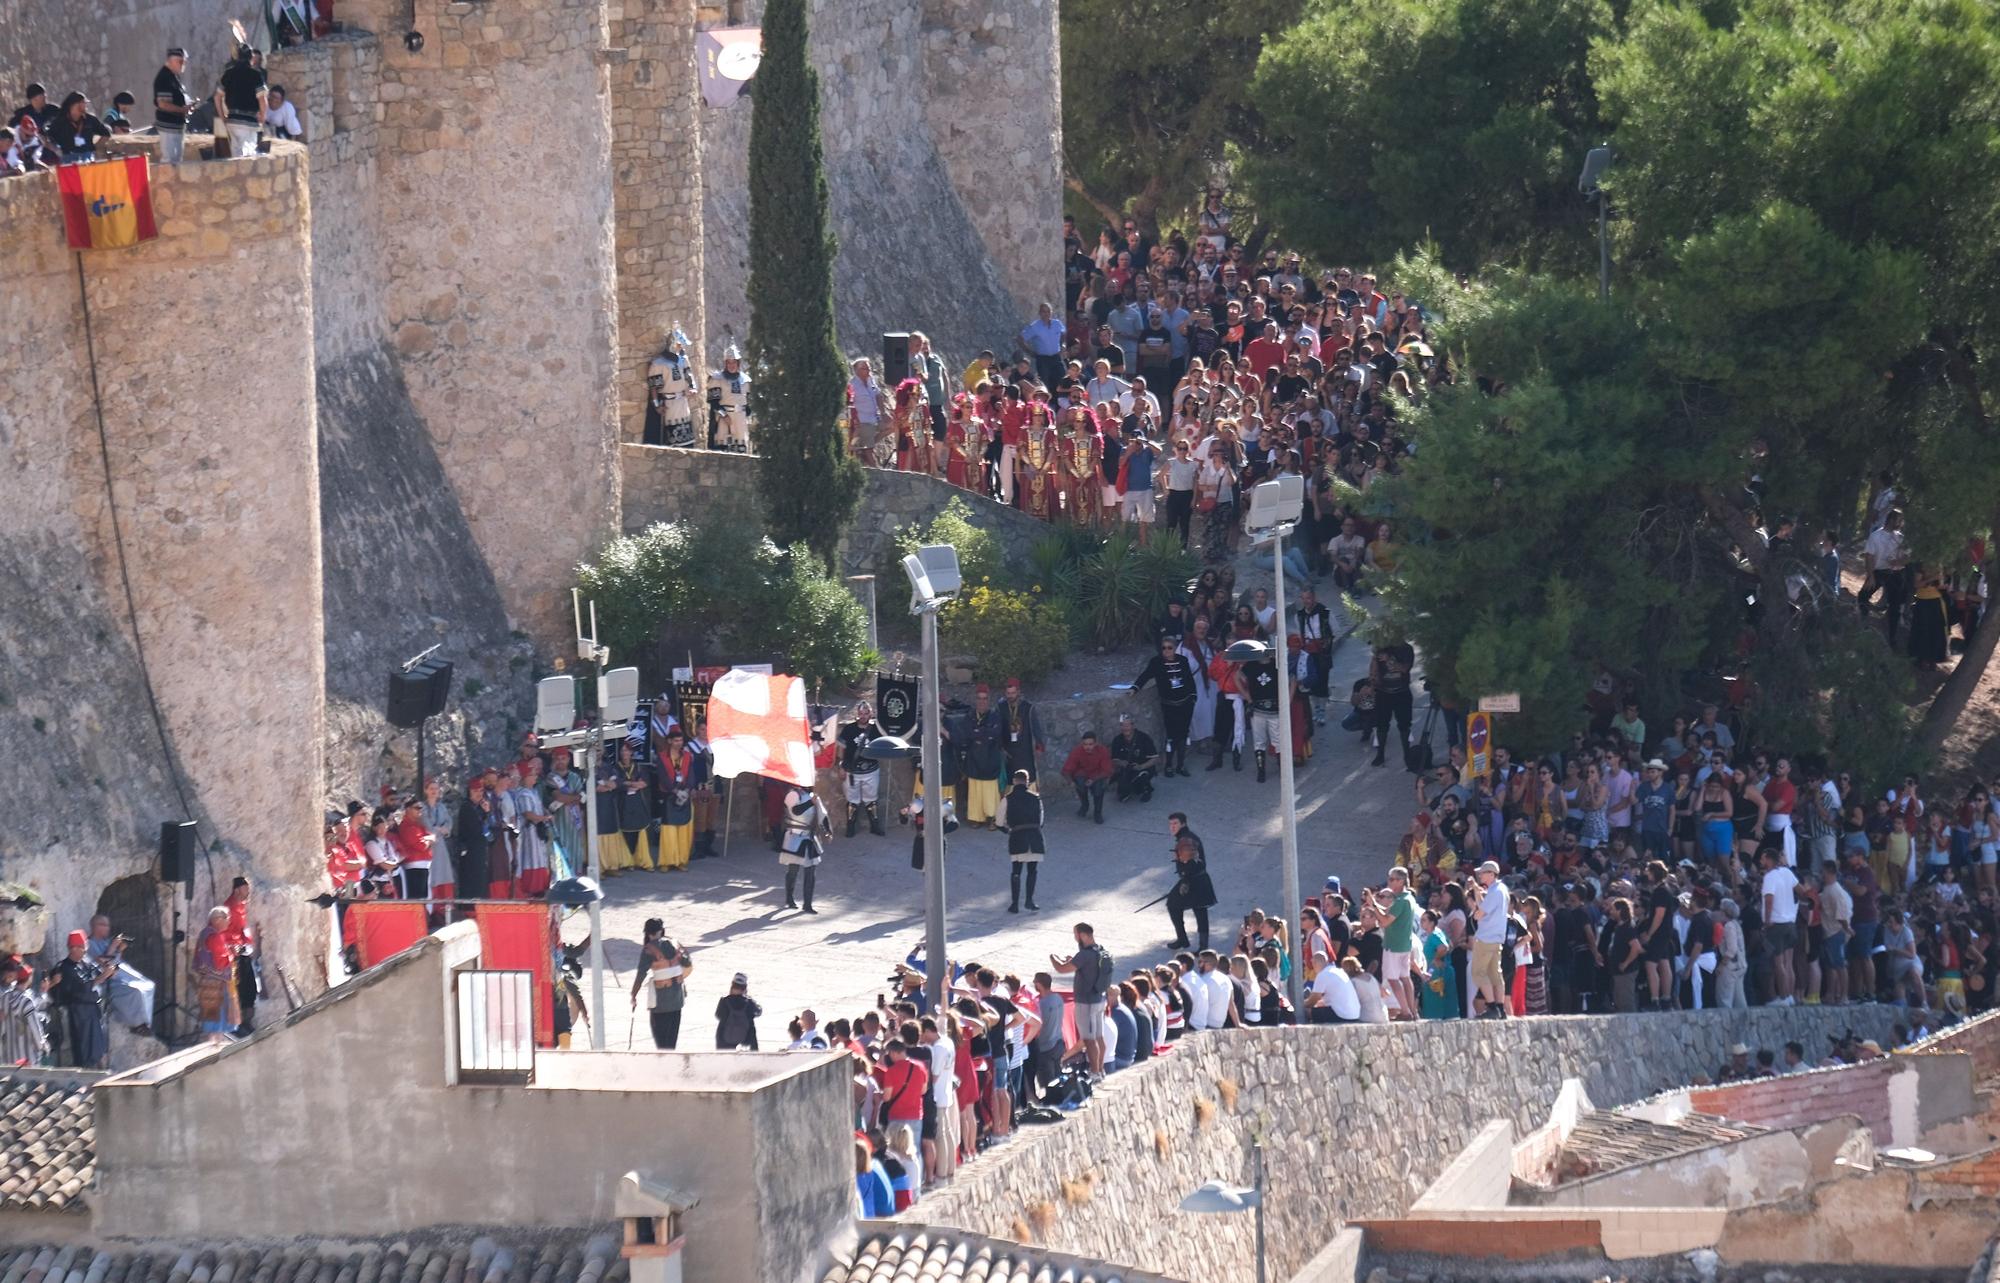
(811,486)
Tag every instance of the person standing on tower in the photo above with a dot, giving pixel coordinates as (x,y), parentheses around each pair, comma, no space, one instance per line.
(864,774)
(670,395)
(729,404)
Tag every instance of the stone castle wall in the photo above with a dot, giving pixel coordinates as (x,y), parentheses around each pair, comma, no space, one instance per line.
(103,46)
(207,398)
(1356,1121)
(498,296)
(656,186)
(665,483)
(912,254)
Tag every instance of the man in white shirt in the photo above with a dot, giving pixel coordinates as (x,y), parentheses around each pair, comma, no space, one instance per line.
(1781,919)
(1195,990)
(1219,989)
(281,118)
(867,394)
(1489,992)
(1332,999)
(941,1132)
(1136,399)
(1885,557)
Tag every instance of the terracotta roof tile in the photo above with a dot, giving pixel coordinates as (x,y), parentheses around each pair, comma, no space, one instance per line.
(1607,1141)
(922,1254)
(48,1149)
(556,1257)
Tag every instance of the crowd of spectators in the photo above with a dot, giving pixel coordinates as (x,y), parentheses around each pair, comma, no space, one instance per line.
(241,111)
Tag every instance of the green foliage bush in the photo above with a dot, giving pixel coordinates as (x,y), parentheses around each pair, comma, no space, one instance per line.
(979,556)
(729,583)
(1007,634)
(1115,591)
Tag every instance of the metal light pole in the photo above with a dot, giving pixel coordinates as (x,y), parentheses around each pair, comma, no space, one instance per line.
(934,581)
(935,966)
(1289,833)
(590,750)
(1220,1197)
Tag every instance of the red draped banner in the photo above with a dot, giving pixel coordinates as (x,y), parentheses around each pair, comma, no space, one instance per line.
(383,928)
(516,937)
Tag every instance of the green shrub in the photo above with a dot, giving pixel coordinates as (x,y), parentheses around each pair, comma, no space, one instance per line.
(1007,634)
(979,555)
(820,625)
(1163,570)
(726,582)
(1102,590)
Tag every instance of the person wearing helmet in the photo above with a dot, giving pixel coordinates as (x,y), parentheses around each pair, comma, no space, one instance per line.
(729,404)
(864,774)
(670,395)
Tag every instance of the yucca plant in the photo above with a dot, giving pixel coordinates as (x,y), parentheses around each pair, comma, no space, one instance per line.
(1103,591)
(1162,570)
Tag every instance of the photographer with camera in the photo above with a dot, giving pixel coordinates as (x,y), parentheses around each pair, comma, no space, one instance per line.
(131,994)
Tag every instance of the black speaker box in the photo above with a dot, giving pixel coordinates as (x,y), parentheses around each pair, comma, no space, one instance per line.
(177,852)
(419,693)
(895,359)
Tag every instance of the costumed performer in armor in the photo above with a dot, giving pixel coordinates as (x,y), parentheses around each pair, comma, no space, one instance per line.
(962,446)
(729,404)
(670,395)
(806,825)
(915,813)
(914,446)
(864,774)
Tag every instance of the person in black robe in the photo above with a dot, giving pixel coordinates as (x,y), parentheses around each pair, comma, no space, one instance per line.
(1193,889)
(1025,848)
(1021,731)
(74,987)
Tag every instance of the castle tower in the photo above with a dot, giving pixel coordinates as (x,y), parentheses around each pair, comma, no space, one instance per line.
(200,354)
(499,279)
(656,193)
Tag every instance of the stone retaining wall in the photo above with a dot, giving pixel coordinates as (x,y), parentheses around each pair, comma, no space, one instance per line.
(666,483)
(1355,1122)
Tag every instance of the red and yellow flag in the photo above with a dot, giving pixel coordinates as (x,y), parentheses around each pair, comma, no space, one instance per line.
(107,204)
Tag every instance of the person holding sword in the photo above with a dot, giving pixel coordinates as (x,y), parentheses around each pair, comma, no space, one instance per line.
(663,971)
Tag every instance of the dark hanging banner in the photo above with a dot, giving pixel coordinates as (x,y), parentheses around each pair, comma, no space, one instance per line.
(896,704)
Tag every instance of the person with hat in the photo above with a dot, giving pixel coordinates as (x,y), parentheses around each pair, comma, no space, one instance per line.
(1193,889)
(862,775)
(624,813)
(736,1015)
(562,791)
(413,843)
(244,943)
(729,404)
(242,96)
(1021,731)
(984,740)
(75,987)
(75,132)
(24,1038)
(1489,912)
(679,772)
(1739,1067)
(1025,846)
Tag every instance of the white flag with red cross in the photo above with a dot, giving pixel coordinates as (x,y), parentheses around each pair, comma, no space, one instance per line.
(757,726)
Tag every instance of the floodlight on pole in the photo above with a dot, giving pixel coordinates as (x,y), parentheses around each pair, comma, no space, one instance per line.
(1596,163)
(1275,508)
(1222,1198)
(934,582)
(555,703)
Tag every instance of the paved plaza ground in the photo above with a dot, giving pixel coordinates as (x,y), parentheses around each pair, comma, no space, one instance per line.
(730,911)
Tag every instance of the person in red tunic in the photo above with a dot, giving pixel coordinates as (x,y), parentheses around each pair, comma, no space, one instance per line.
(242,940)
(1038,480)
(962,447)
(1082,454)
(912,427)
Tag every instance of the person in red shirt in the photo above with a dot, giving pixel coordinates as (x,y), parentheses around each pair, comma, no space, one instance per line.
(1266,351)
(413,841)
(344,865)
(1088,768)
(242,940)
(904,1082)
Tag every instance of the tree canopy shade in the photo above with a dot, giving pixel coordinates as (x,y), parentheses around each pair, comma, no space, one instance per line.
(1154,92)
(1457,121)
(809,484)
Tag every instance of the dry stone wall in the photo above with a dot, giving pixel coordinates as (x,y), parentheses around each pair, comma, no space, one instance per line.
(211,454)
(1355,1122)
(665,483)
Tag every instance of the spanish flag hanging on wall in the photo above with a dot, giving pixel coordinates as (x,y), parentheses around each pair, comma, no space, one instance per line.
(107,204)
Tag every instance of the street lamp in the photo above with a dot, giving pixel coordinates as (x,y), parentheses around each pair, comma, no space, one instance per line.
(1596,162)
(934,582)
(555,720)
(1220,1197)
(1275,507)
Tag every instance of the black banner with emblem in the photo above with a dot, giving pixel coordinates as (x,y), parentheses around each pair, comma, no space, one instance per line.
(896,704)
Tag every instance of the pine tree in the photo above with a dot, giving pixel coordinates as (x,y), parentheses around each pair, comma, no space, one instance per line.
(810,485)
